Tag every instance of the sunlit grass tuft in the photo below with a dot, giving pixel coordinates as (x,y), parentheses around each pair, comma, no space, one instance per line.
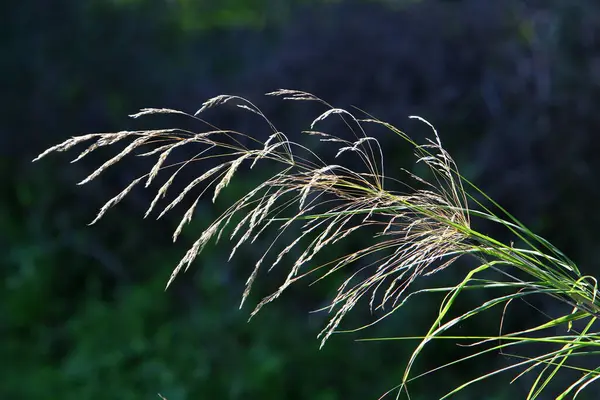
(419,232)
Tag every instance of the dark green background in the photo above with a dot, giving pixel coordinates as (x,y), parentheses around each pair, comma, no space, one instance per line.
(513,87)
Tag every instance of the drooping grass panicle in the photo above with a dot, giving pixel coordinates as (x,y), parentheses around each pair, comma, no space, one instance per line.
(410,234)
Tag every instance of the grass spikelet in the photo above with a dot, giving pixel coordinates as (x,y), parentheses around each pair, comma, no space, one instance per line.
(193,252)
(213,102)
(112,202)
(150,111)
(190,186)
(187,217)
(66,145)
(326,114)
(135,144)
(227,178)
(160,194)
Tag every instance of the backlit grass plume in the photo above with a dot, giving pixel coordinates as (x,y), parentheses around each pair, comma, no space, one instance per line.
(418,232)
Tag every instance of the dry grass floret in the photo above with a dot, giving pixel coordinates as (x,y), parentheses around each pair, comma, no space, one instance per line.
(418,233)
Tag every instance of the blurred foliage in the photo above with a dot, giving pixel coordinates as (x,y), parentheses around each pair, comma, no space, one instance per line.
(205,15)
(512,86)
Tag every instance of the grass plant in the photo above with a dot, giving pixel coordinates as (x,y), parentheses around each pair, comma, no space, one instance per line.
(420,231)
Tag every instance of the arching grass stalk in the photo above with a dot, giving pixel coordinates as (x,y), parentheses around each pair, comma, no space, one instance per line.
(419,231)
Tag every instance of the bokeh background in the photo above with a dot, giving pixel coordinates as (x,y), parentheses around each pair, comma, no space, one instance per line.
(513,87)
